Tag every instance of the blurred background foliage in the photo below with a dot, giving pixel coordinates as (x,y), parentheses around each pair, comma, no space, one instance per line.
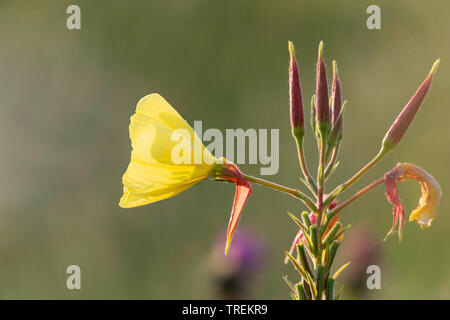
(65,102)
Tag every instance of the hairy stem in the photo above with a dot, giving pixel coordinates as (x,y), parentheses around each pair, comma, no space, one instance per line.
(332,162)
(383,151)
(293,192)
(301,158)
(358,194)
(320,179)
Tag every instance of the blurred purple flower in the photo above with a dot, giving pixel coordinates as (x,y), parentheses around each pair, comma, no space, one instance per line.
(234,273)
(363,248)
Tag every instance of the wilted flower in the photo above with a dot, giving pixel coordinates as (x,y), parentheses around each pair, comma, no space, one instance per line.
(429,199)
(160,137)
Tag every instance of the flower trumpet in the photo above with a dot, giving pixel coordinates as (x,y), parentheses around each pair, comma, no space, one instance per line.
(168,157)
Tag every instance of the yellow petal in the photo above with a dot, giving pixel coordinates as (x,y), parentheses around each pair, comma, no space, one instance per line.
(152,174)
(430,195)
(155,116)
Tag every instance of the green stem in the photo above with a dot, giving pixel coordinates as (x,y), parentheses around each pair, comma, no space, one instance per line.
(320,210)
(293,192)
(383,151)
(320,179)
(332,162)
(301,158)
(358,194)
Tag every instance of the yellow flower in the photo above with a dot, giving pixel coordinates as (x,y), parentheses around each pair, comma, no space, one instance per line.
(152,174)
(168,157)
(430,198)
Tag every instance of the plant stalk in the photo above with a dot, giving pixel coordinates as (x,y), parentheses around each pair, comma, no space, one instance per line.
(293,192)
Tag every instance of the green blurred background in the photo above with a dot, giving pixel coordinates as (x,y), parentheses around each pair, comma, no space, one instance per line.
(65,102)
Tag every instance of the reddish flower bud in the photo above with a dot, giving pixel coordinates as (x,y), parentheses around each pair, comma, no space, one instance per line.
(295,95)
(322,102)
(336,99)
(404,119)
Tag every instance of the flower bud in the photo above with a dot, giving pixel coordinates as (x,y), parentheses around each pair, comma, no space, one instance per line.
(322,102)
(295,96)
(336,99)
(404,119)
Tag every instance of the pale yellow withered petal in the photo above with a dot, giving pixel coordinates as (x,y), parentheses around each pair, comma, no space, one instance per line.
(152,174)
(430,197)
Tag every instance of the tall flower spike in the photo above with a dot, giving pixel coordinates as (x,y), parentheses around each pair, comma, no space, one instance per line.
(429,200)
(404,119)
(295,96)
(322,102)
(153,175)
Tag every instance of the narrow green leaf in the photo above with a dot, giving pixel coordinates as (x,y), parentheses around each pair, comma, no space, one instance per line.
(331,235)
(314,240)
(303,257)
(338,294)
(300,291)
(307,288)
(320,281)
(296,220)
(330,216)
(306,220)
(333,136)
(337,273)
(309,184)
(333,249)
(302,226)
(330,171)
(294,261)
(330,288)
(302,272)
(290,284)
(305,228)
(341,232)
